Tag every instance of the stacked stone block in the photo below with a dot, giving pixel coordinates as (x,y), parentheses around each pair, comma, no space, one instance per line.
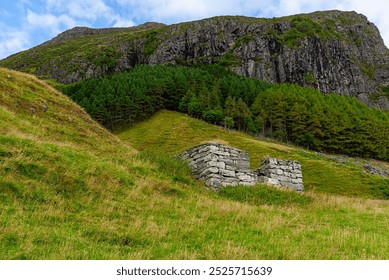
(285,173)
(375,170)
(220,165)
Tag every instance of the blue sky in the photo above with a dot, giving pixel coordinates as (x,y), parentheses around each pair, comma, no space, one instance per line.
(27,23)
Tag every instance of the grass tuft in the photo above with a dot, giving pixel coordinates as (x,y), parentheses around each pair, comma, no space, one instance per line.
(264,195)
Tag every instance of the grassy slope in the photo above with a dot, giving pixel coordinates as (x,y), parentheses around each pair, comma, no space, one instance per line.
(71,190)
(85,47)
(327,227)
(173,133)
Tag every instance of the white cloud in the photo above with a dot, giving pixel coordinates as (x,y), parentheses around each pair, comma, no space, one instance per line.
(287,7)
(88,12)
(122,22)
(55,24)
(13,41)
(375,10)
(169,11)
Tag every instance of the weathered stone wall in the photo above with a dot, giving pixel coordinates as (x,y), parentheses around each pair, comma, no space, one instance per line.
(375,170)
(285,173)
(219,165)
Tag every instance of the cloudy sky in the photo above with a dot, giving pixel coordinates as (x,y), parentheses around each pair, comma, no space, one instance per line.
(26,23)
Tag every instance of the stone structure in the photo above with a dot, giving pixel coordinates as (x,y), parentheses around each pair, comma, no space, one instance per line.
(285,173)
(220,165)
(375,170)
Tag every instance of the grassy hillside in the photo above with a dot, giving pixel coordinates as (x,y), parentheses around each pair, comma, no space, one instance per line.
(71,190)
(173,133)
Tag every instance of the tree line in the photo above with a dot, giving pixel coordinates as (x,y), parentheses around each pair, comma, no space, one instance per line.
(288,113)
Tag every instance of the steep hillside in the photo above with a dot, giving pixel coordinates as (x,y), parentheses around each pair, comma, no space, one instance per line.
(33,110)
(71,190)
(333,51)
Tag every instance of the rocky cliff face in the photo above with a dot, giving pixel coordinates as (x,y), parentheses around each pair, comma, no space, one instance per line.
(332,51)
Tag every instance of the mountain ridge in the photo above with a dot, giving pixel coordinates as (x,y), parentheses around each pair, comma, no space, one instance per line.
(333,51)
(80,31)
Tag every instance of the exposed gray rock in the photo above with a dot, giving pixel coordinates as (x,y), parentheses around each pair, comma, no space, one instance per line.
(32,110)
(350,62)
(375,170)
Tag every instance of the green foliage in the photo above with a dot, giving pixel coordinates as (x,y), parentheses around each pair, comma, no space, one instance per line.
(106,57)
(329,123)
(309,78)
(303,27)
(230,58)
(229,122)
(288,113)
(367,69)
(151,42)
(346,19)
(385,89)
(382,91)
(194,107)
(241,41)
(214,115)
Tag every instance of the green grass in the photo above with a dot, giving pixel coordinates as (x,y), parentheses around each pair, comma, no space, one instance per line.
(264,195)
(303,26)
(71,190)
(309,77)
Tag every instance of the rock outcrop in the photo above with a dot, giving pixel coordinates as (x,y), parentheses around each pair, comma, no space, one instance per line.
(332,51)
(375,170)
(220,165)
